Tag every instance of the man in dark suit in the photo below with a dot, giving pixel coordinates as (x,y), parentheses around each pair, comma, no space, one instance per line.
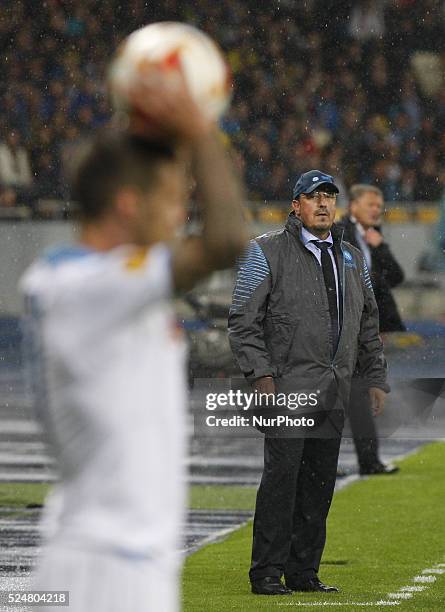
(303,318)
(362,226)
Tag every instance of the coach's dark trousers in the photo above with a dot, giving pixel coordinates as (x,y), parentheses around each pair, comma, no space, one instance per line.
(293,501)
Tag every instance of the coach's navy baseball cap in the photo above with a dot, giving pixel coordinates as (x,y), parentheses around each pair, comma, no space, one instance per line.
(309,181)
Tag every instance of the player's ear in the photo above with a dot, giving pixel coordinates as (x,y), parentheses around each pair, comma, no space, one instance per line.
(296,207)
(126,202)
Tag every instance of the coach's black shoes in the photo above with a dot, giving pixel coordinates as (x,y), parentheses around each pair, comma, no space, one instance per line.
(270,585)
(379,468)
(310,584)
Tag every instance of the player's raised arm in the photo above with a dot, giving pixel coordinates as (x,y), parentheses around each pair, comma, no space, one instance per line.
(166,113)
(224,232)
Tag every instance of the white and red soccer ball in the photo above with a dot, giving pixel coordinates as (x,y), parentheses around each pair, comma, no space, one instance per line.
(164,50)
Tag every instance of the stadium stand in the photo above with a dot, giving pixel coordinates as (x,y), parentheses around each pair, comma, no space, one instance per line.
(355,87)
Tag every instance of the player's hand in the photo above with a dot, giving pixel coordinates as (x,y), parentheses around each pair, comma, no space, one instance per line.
(266,384)
(373,237)
(377,397)
(165,109)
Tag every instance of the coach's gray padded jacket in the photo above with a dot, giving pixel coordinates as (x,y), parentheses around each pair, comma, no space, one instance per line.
(279,322)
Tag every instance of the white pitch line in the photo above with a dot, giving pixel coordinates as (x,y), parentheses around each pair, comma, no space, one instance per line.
(424,579)
(400,595)
(412,589)
(428,576)
(394,599)
(362,604)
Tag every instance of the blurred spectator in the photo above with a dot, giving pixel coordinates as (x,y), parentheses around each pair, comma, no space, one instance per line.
(8,197)
(47,177)
(15,168)
(429,186)
(313,81)
(367,20)
(408,185)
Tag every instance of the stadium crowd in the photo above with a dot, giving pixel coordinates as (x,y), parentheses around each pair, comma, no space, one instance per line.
(355,87)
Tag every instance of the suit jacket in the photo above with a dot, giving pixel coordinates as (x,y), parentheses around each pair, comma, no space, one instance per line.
(385,274)
(280,325)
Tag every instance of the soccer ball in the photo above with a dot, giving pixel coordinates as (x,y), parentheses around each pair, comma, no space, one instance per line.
(164,50)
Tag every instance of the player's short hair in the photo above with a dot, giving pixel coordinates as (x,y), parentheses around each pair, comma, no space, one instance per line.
(357,190)
(111,160)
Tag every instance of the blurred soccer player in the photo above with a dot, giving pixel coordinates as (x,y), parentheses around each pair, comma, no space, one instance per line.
(109,359)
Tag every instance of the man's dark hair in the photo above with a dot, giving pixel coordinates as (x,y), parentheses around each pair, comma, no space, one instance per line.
(115,159)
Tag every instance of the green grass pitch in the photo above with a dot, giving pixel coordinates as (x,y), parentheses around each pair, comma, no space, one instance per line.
(14,494)
(382,532)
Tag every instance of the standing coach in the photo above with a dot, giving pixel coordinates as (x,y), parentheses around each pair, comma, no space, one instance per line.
(303,315)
